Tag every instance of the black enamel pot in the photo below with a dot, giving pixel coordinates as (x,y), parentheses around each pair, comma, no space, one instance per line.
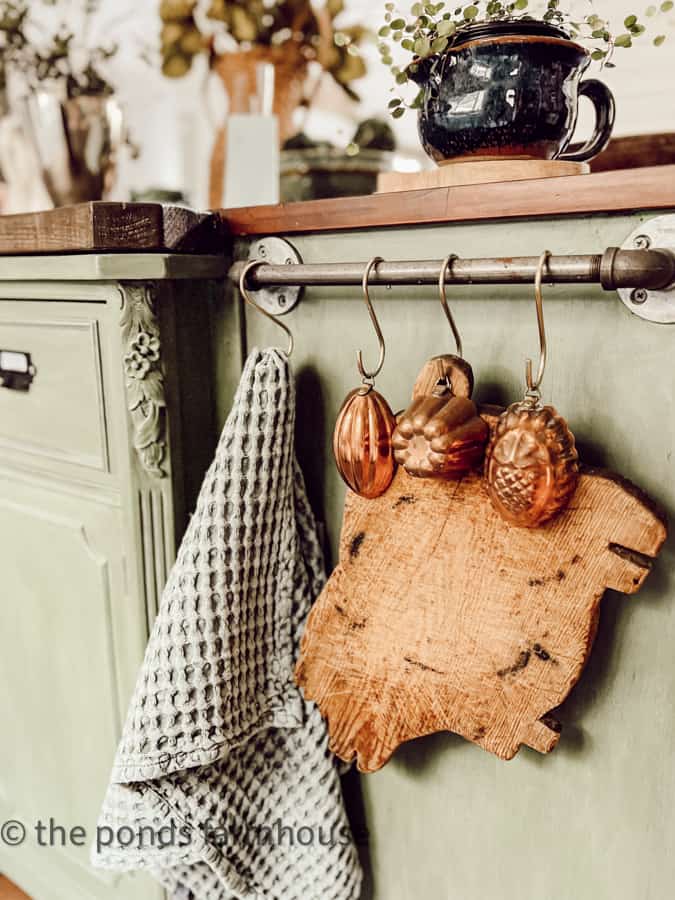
(509,90)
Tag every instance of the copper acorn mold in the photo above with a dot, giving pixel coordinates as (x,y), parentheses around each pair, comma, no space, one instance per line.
(532,465)
(362,443)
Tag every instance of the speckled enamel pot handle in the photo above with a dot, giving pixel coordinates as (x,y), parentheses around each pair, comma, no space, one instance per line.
(605,108)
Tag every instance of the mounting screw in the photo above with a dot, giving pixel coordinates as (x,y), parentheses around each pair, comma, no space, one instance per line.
(639,295)
(642,242)
(288,261)
(262,250)
(281,300)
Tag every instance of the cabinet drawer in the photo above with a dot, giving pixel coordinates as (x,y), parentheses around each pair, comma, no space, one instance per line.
(61,417)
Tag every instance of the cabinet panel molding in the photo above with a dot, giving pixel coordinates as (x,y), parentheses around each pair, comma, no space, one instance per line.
(62,417)
(157,547)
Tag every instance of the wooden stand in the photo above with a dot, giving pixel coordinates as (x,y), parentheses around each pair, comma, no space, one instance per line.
(442,617)
(482,172)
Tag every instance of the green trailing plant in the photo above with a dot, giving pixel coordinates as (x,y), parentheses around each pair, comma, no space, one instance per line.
(40,55)
(429,29)
(192,27)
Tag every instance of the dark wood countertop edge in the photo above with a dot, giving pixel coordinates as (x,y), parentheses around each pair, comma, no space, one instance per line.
(102,227)
(606,192)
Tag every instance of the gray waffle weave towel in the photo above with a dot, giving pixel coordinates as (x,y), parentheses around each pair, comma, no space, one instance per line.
(223,786)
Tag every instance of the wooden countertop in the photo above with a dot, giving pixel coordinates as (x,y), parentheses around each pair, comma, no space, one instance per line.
(155,228)
(607,192)
(112,227)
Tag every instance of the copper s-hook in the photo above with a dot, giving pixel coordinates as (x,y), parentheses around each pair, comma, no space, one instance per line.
(369,377)
(532,385)
(247,297)
(447,264)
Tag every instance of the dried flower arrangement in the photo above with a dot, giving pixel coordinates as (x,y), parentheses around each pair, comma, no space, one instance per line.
(40,54)
(191,28)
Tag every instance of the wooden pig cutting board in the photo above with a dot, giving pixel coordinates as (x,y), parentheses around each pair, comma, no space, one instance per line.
(442,617)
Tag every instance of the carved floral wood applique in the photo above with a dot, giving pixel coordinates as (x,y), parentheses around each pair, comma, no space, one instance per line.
(441,616)
(144,378)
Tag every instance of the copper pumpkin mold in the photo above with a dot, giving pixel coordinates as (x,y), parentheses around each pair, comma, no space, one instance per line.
(441,434)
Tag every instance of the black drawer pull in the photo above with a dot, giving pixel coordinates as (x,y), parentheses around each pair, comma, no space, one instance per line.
(16,370)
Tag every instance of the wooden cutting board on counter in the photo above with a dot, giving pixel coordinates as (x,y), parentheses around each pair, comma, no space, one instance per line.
(481,172)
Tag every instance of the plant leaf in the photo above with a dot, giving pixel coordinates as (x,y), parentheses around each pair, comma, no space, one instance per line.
(423,46)
(446,28)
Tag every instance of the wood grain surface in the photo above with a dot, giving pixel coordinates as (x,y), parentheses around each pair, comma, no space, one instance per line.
(625,191)
(108,227)
(9,891)
(482,172)
(442,617)
(636,152)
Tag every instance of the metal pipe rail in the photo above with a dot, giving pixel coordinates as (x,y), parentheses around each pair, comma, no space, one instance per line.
(615,269)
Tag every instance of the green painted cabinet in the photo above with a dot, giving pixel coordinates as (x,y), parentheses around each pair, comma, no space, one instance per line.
(99,460)
(446,821)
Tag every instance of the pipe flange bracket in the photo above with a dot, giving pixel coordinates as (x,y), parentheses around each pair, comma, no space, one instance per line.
(277,252)
(656,306)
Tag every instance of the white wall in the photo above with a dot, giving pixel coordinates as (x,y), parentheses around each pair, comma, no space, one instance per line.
(170,119)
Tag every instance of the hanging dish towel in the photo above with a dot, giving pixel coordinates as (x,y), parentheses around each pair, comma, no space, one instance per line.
(223,786)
